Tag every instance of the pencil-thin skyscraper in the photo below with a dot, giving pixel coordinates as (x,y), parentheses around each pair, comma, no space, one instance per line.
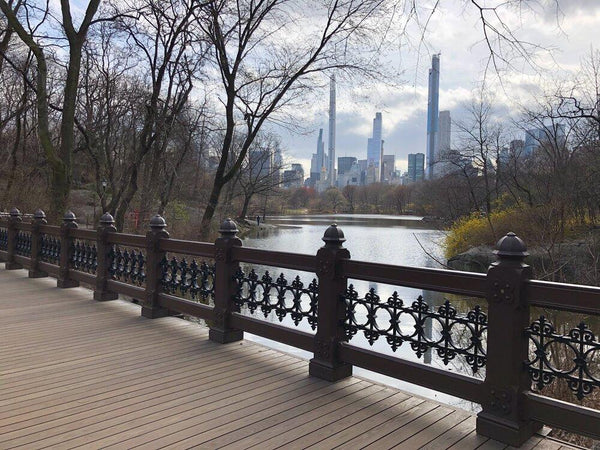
(432,113)
(375,148)
(331,148)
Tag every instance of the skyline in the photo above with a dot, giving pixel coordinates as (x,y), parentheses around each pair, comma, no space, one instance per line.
(405,106)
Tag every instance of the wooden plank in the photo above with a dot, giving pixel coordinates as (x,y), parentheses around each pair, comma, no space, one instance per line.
(377,420)
(528,445)
(189,381)
(236,424)
(84,425)
(432,431)
(285,380)
(385,428)
(290,430)
(470,442)
(85,389)
(452,436)
(358,419)
(548,444)
(492,445)
(411,428)
(224,407)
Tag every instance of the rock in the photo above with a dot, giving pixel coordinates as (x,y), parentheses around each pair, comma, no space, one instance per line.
(476,259)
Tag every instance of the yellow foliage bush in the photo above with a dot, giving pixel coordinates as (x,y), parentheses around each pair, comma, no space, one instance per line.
(535,225)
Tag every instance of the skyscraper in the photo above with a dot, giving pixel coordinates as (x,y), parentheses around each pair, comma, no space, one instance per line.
(441,164)
(375,149)
(318,160)
(331,167)
(345,163)
(416,167)
(432,113)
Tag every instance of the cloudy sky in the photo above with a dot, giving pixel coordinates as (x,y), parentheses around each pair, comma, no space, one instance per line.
(566,34)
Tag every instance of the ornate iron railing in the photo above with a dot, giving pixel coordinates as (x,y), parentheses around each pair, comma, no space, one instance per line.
(458,334)
(49,250)
(580,369)
(3,239)
(192,280)
(127,265)
(83,256)
(270,295)
(23,245)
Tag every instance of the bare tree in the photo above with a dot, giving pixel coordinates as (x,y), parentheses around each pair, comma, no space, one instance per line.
(145,94)
(262,70)
(261,172)
(58,155)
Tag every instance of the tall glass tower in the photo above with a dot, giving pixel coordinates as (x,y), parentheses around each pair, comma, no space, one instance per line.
(375,148)
(331,167)
(432,114)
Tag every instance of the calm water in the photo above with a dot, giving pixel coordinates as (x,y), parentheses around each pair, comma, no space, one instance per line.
(399,240)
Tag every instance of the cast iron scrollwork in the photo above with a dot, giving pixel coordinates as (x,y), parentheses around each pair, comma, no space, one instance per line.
(128,266)
(3,239)
(270,295)
(580,341)
(84,257)
(23,244)
(49,249)
(419,315)
(193,279)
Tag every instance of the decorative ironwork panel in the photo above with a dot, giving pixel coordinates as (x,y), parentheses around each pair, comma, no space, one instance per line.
(458,334)
(578,352)
(23,244)
(84,257)
(193,280)
(49,249)
(127,266)
(269,295)
(3,239)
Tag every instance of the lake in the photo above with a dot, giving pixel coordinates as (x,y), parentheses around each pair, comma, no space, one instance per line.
(399,240)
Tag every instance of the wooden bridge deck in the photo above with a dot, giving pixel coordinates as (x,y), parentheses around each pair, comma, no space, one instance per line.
(78,373)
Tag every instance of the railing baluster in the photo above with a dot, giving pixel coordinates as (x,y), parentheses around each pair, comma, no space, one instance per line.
(504,416)
(66,244)
(106,226)
(326,363)
(225,285)
(39,218)
(154,255)
(12,232)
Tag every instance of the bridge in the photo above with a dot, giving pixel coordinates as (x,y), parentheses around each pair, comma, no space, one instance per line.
(81,369)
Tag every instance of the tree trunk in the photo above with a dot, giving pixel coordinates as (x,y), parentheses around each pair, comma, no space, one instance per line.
(244,211)
(209,212)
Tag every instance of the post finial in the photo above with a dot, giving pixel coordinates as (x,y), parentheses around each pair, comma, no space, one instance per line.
(69,217)
(39,215)
(107,219)
(511,246)
(14,212)
(333,235)
(158,223)
(228,228)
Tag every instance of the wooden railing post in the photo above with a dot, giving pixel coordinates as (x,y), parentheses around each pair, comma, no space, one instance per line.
(106,226)
(154,255)
(39,218)
(225,286)
(332,285)
(504,416)
(66,241)
(13,220)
